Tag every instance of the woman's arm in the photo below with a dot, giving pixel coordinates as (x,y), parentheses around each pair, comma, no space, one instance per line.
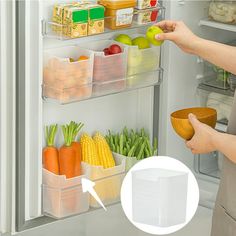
(207,140)
(219,54)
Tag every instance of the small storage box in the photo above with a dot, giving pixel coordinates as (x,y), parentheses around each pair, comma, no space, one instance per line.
(108,181)
(143,4)
(118,13)
(109,72)
(142,17)
(159,197)
(66,77)
(63,197)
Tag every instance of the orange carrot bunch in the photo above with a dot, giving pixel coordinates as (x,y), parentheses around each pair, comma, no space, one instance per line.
(50,153)
(70,152)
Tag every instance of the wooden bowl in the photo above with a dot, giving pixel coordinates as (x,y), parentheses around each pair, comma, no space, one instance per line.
(182,126)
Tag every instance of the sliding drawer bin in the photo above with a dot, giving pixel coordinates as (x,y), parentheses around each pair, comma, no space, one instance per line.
(222,103)
(129,161)
(67,74)
(223,11)
(141,61)
(108,181)
(159,197)
(63,197)
(143,4)
(142,17)
(109,72)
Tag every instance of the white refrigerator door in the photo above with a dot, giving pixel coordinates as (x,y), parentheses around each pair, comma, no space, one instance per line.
(7,112)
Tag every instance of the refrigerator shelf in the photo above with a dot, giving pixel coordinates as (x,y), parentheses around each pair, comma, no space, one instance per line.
(100,89)
(55,31)
(209,88)
(214,24)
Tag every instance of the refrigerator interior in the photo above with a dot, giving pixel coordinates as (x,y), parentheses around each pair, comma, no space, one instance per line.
(134,109)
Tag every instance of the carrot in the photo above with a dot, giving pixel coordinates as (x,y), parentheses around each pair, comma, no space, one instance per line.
(77,148)
(67,154)
(50,153)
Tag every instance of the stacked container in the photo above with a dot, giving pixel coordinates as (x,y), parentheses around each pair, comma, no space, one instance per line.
(146,11)
(67,74)
(63,197)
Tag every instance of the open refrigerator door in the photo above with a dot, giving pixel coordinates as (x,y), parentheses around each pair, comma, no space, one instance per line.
(55,89)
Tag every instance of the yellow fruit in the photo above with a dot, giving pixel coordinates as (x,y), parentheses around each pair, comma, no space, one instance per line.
(151,33)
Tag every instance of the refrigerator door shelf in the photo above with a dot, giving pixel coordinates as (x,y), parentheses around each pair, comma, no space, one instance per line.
(56,31)
(99,89)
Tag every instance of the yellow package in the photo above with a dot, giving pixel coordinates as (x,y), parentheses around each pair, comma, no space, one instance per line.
(76,20)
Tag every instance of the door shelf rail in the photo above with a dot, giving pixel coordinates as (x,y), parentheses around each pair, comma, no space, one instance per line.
(100,89)
(54,30)
(217,25)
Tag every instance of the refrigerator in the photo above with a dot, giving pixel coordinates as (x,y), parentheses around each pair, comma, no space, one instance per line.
(25,109)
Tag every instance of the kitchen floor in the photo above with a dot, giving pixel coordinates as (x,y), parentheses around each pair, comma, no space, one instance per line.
(115,223)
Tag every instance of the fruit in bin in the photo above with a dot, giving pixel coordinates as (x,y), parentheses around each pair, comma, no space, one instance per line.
(71,59)
(141,42)
(82,58)
(106,51)
(115,49)
(151,33)
(124,38)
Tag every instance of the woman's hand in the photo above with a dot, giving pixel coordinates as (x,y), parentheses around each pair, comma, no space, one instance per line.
(204,138)
(179,33)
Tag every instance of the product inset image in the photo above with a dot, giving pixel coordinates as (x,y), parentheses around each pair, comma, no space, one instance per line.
(159,197)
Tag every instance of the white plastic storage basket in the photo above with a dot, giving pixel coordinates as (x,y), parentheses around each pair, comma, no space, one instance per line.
(108,181)
(159,197)
(63,197)
(109,72)
(66,77)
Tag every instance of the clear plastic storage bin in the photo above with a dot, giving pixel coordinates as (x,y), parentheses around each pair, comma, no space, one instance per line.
(221,102)
(109,72)
(223,11)
(129,161)
(63,197)
(67,74)
(159,197)
(108,181)
(143,4)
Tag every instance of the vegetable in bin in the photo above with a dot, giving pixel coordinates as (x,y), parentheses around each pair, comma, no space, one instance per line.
(103,151)
(67,154)
(77,147)
(50,153)
(132,144)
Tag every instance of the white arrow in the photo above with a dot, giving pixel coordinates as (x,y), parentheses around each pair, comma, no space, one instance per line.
(87,186)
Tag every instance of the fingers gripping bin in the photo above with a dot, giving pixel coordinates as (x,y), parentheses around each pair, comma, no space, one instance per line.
(159,197)
(108,181)
(109,72)
(63,197)
(67,74)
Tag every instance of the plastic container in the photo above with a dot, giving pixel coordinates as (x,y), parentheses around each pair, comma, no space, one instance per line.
(232,82)
(65,80)
(143,4)
(118,13)
(129,161)
(221,102)
(142,17)
(109,72)
(108,181)
(63,197)
(159,197)
(223,11)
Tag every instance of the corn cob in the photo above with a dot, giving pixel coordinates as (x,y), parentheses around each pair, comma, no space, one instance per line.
(103,150)
(89,152)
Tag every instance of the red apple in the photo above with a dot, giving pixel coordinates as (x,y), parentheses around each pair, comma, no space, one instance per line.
(115,49)
(106,51)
